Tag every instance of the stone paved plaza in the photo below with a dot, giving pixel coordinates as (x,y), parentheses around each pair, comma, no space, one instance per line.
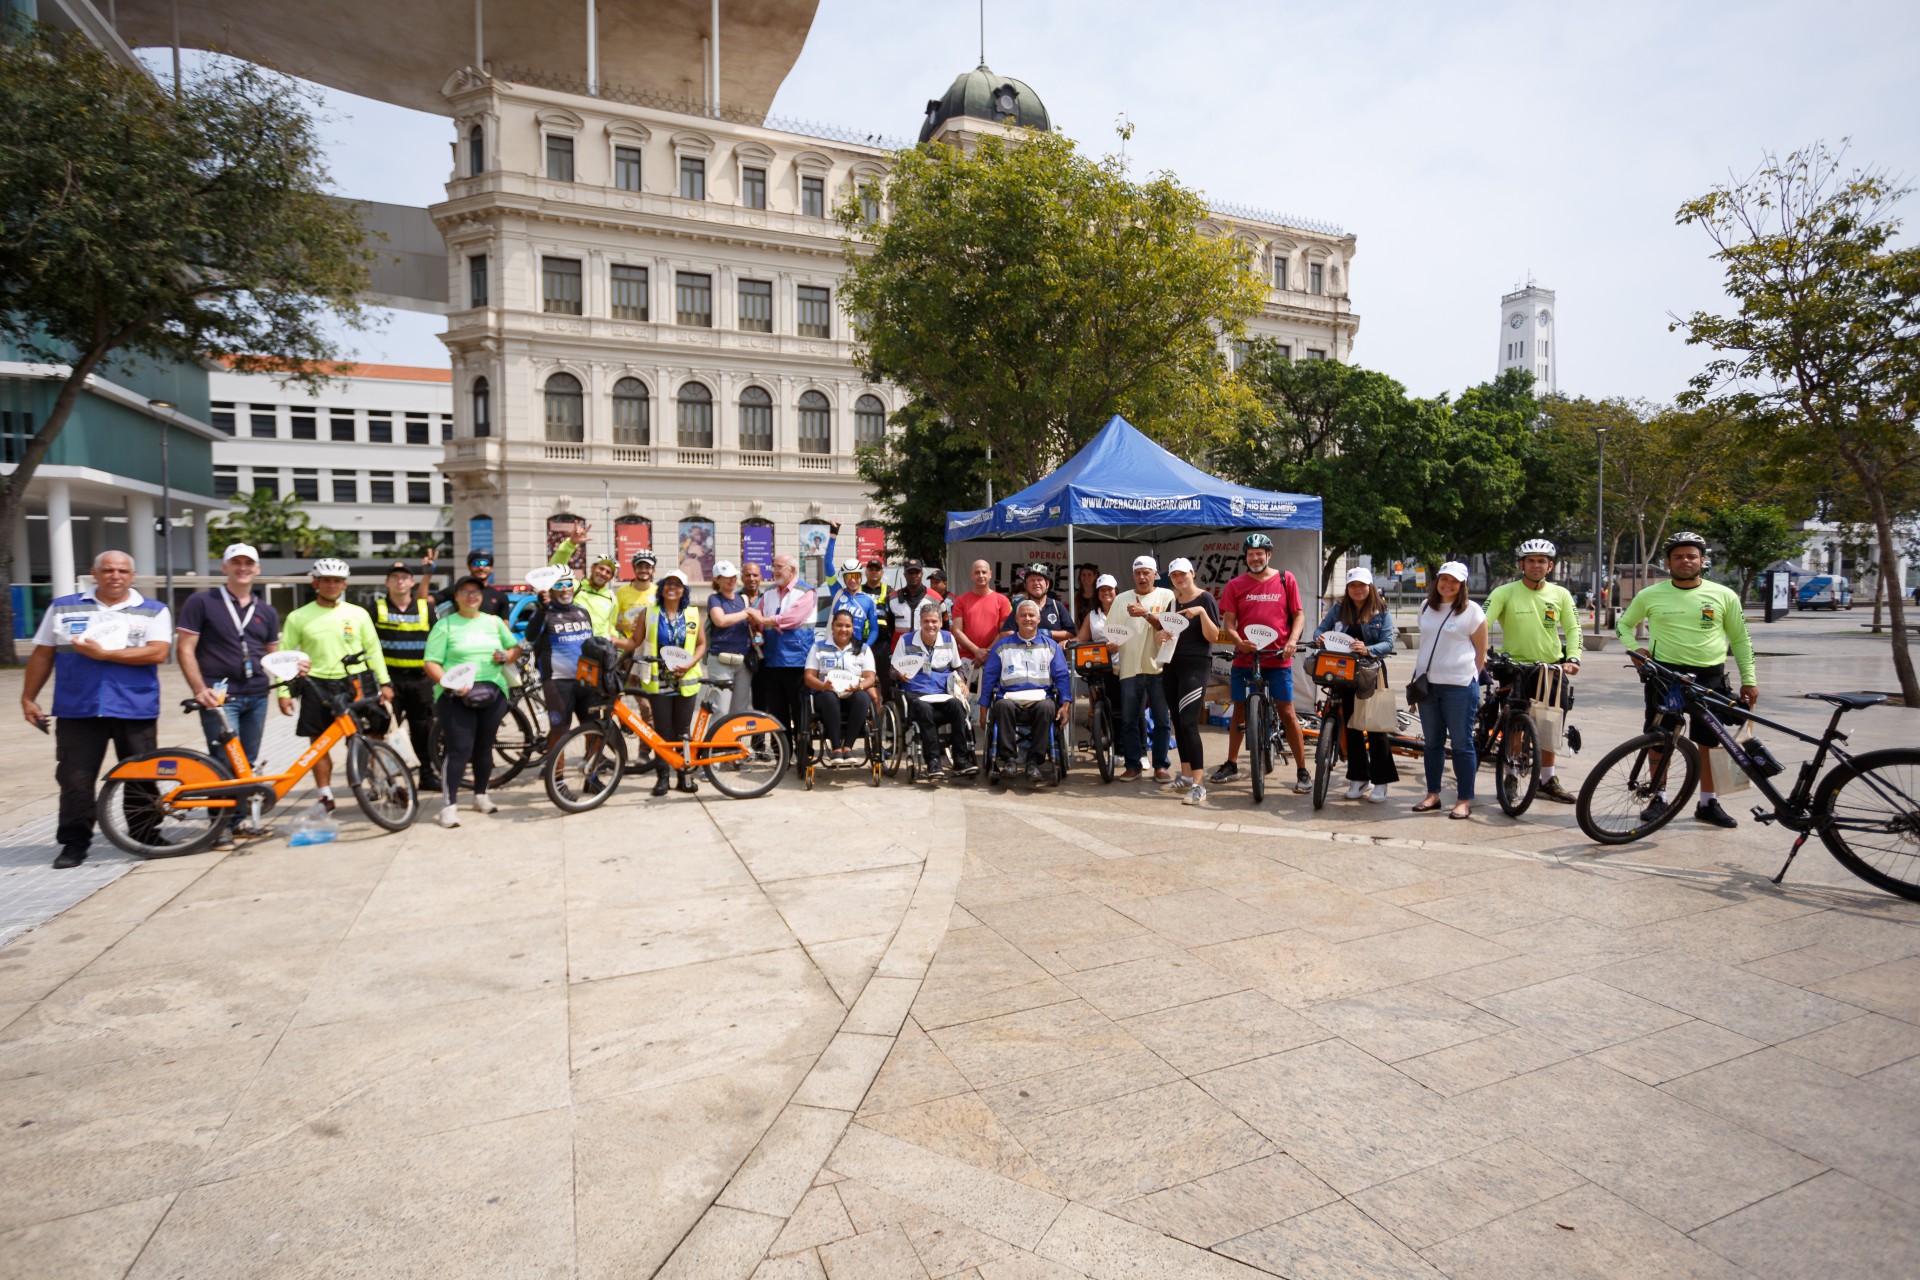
(902,1032)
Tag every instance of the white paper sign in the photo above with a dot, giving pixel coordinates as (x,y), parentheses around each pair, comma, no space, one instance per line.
(908,665)
(459,678)
(108,629)
(673,657)
(842,681)
(543,578)
(935,697)
(1260,635)
(284,665)
(1118,632)
(1026,695)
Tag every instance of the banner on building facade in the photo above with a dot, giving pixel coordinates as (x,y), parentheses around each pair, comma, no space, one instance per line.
(814,535)
(696,550)
(871,540)
(480,534)
(756,544)
(631,534)
(561,526)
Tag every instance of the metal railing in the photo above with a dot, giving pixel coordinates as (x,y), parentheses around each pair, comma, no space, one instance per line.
(1277,219)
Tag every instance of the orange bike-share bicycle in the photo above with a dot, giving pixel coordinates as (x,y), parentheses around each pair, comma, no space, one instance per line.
(171,802)
(744,755)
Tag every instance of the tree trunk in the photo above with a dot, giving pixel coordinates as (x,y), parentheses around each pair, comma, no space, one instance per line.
(1879,591)
(1896,605)
(1326,569)
(14,493)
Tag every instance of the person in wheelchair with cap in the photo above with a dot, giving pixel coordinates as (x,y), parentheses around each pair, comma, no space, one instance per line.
(1027,663)
(932,651)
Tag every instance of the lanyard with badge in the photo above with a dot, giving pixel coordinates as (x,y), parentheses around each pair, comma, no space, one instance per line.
(240,625)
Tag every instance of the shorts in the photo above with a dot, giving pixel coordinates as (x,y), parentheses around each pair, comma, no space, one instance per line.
(315,714)
(567,699)
(1698,730)
(1279,684)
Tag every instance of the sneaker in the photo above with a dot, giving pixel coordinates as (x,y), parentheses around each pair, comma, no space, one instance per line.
(70,858)
(1712,814)
(1302,783)
(1356,789)
(1378,795)
(484,804)
(1033,773)
(449,815)
(1552,790)
(1196,794)
(1180,783)
(1225,773)
(327,805)
(1655,807)
(936,771)
(968,767)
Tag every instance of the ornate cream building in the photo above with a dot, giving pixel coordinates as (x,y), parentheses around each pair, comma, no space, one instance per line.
(646,322)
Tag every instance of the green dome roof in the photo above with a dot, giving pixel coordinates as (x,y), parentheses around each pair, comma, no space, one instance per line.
(981,95)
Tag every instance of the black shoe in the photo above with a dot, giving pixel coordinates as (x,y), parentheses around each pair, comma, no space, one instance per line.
(1655,807)
(70,858)
(428,782)
(1225,773)
(688,785)
(1033,773)
(967,767)
(661,785)
(1552,790)
(1712,814)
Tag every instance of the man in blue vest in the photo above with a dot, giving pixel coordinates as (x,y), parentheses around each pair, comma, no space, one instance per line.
(784,615)
(104,649)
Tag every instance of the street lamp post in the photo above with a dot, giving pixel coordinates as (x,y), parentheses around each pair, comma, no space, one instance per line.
(1599,526)
(166,496)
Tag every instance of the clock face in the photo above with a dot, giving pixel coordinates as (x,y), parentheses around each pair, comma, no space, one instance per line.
(1516,321)
(1546,318)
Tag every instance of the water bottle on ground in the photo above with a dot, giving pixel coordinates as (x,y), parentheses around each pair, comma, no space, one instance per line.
(315,826)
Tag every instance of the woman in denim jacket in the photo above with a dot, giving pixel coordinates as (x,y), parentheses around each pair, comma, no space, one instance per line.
(1362,611)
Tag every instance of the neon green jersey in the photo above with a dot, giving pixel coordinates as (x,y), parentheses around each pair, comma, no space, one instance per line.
(327,636)
(1531,622)
(1694,627)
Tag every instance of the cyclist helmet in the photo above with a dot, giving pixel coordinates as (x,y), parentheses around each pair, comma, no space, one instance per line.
(606,557)
(1683,539)
(330,568)
(479,557)
(1537,547)
(643,557)
(1257,542)
(562,584)
(851,565)
(1040,569)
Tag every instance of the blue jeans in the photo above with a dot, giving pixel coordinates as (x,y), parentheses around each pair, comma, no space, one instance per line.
(1447,712)
(1137,693)
(247,713)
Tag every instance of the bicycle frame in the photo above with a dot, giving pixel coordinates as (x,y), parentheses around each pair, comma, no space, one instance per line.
(697,750)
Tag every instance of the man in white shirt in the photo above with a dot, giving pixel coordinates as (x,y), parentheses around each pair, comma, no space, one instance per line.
(1139,668)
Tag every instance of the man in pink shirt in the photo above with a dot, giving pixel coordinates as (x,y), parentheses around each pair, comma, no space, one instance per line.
(979,614)
(1265,596)
(784,617)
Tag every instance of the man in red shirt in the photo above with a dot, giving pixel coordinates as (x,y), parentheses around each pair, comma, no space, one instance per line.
(1262,595)
(978,613)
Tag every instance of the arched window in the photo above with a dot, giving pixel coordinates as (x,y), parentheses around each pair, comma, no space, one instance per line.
(869,421)
(756,420)
(476,151)
(482,408)
(632,424)
(816,423)
(566,409)
(696,417)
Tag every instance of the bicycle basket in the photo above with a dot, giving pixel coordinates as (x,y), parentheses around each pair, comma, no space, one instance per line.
(1335,670)
(599,666)
(1090,657)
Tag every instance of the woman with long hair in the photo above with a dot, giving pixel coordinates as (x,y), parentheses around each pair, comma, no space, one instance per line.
(1452,656)
(1362,618)
(842,714)
(1185,675)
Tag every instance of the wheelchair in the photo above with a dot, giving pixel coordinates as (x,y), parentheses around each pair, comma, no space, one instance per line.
(900,735)
(1056,750)
(809,744)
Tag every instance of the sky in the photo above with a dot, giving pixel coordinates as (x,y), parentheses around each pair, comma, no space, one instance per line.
(1465,146)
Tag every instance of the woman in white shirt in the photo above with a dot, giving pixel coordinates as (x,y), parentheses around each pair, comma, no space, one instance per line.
(1452,655)
(836,664)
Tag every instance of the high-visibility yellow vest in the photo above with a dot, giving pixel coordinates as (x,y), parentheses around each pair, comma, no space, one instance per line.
(403,636)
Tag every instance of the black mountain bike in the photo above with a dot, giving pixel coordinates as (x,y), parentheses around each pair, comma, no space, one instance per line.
(1505,736)
(1866,810)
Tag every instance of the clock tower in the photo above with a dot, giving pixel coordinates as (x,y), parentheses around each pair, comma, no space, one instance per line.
(1527,339)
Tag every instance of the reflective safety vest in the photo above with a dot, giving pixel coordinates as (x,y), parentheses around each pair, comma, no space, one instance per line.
(653,678)
(599,604)
(403,636)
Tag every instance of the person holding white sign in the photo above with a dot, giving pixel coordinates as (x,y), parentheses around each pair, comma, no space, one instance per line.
(925,662)
(672,631)
(841,674)
(467,652)
(1361,620)
(1026,682)
(1192,626)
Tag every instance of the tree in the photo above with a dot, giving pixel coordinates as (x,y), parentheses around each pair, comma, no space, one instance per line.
(1348,434)
(920,472)
(1821,357)
(1752,536)
(133,224)
(265,522)
(1478,499)
(1026,294)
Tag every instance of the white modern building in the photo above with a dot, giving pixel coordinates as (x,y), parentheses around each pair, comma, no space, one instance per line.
(646,323)
(363,455)
(1527,340)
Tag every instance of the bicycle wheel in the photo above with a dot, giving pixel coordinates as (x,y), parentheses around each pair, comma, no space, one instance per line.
(1258,746)
(139,818)
(1327,752)
(382,783)
(1100,732)
(1516,765)
(760,772)
(517,744)
(585,767)
(1620,800)
(1870,814)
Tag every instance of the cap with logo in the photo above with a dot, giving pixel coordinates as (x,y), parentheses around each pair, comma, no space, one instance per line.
(1146,562)
(912,566)
(725,569)
(399,566)
(1456,569)
(1106,580)
(235,550)
(1360,574)
(1180,565)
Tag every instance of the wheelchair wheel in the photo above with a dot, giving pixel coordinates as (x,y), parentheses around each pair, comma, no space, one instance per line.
(876,749)
(1100,733)
(800,741)
(1060,753)
(909,753)
(893,734)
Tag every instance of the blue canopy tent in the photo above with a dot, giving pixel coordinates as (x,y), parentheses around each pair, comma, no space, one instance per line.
(1124,488)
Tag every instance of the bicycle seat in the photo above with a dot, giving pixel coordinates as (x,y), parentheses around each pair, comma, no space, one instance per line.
(1851,701)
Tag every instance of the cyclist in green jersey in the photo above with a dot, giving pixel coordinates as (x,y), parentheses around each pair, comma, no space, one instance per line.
(1692,625)
(1538,624)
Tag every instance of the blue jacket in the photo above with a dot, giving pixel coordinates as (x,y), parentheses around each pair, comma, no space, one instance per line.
(940,665)
(1377,631)
(786,648)
(85,688)
(865,611)
(1014,664)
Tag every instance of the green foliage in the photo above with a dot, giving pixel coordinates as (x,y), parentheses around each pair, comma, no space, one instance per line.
(919,473)
(132,224)
(1819,363)
(1026,294)
(1750,537)
(1480,499)
(274,526)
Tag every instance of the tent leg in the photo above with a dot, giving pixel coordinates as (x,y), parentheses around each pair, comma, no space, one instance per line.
(1073,596)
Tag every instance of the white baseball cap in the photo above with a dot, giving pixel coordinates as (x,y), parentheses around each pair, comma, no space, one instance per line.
(1455,569)
(673,574)
(236,549)
(1360,574)
(1181,565)
(726,569)
(1106,580)
(1146,562)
